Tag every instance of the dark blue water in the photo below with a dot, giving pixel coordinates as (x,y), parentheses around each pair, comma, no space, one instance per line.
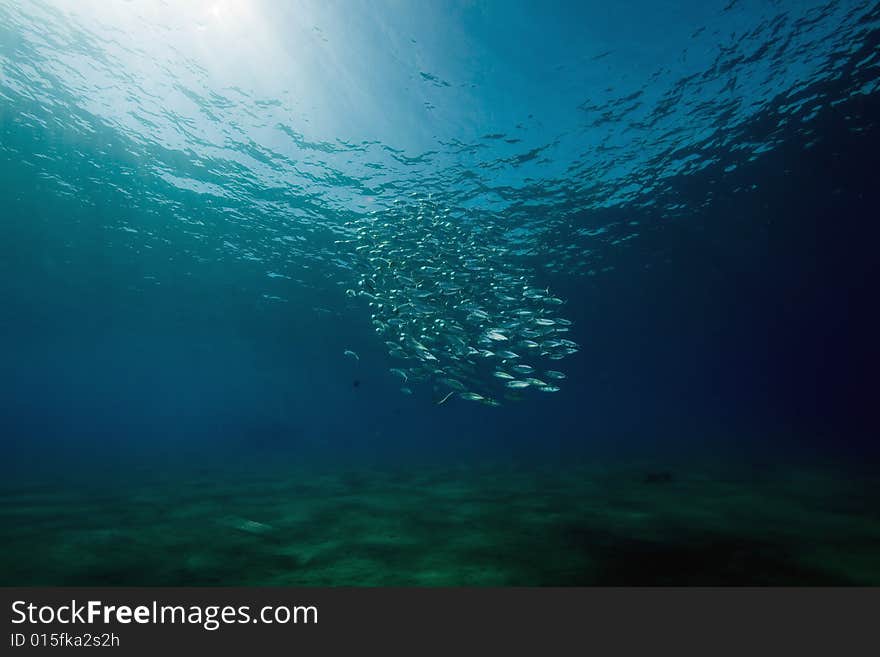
(697,182)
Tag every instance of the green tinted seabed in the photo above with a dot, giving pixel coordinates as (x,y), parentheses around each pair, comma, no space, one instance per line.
(443,526)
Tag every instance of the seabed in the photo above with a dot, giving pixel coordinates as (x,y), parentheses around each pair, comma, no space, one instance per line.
(491,525)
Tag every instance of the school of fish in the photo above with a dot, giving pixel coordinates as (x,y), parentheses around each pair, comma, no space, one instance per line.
(453,307)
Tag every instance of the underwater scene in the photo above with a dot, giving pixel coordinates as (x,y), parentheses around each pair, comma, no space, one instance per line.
(447,293)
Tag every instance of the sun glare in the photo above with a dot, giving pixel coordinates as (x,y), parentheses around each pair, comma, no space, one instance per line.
(227,13)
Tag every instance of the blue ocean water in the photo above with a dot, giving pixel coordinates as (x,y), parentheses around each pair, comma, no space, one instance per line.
(204,206)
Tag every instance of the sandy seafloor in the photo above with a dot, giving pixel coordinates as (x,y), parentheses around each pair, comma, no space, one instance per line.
(584,523)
